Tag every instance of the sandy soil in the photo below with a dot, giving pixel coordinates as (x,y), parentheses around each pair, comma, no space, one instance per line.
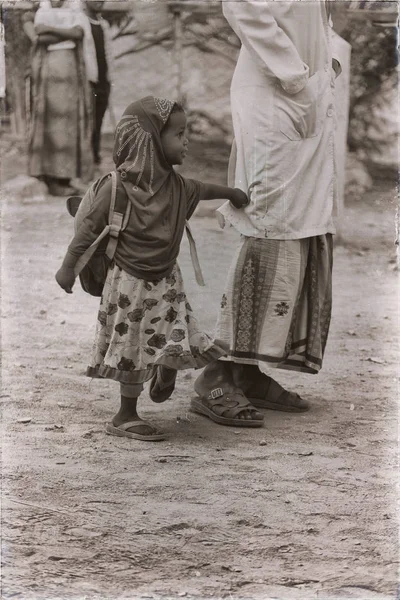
(303,508)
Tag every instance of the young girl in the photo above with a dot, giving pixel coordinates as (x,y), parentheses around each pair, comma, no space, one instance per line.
(146,328)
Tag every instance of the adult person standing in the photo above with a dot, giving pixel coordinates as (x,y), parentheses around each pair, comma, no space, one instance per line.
(28,18)
(276,309)
(2,63)
(101,88)
(63,63)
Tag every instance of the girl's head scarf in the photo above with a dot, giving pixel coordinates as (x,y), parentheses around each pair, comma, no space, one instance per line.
(138,152)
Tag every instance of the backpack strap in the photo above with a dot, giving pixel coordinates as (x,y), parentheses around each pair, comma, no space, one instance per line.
(194,256)
(118,215)
(87,255)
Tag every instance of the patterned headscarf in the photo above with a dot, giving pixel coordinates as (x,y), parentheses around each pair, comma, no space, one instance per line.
(138,153)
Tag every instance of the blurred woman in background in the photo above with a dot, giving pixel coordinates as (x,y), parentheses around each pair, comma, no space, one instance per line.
(64,61)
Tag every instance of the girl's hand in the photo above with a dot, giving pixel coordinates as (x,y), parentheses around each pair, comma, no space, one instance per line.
(65,278)
(337,67)
(239,199)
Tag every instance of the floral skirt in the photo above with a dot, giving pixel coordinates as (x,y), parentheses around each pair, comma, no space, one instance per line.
(143,324)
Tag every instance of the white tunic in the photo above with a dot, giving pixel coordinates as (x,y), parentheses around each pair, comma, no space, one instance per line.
(282,100)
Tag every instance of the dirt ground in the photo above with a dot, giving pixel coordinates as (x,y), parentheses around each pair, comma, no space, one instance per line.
(303,508)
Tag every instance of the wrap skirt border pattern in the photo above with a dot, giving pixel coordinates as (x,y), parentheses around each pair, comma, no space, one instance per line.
(276,309)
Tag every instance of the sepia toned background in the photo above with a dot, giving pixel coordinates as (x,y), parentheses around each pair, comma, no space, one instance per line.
(304,508)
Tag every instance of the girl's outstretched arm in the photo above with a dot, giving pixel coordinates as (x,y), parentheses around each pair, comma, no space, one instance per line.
(210,191)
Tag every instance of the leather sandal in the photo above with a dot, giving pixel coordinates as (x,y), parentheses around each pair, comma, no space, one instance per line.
(162,384)
(224,407)
(265,392)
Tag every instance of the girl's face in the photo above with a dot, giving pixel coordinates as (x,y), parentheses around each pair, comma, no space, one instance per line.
(174,139)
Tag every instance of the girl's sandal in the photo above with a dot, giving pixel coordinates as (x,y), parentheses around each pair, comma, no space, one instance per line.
(162,384)
(122,431)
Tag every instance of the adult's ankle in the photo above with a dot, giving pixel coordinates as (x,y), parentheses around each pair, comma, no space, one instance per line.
(239,375)
(217,374)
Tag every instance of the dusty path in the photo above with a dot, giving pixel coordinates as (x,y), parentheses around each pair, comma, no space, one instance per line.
(303,508)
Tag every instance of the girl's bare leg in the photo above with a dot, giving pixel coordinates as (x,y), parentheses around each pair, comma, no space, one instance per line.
(128,409)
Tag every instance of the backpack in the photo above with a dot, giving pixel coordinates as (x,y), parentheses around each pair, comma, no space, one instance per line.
(93,265)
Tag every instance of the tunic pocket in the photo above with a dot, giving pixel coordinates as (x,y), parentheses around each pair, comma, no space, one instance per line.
(301,116)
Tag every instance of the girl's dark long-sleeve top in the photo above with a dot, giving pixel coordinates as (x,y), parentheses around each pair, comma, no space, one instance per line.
(149,245)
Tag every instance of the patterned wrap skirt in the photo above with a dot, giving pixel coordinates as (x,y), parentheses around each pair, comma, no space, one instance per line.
(143,324)
(61,127)
(276,308)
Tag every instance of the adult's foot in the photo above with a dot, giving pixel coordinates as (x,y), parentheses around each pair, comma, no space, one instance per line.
(265,392)
(221,400)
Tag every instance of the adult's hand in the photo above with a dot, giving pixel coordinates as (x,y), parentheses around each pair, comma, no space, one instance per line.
(47,39)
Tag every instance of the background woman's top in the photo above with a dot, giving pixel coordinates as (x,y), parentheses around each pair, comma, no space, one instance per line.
(282,98)
(65,18)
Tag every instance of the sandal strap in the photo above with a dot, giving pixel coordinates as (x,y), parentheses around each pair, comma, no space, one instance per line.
(276,393)
(129,424)
(136,423)
(165,383)
(232,402)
